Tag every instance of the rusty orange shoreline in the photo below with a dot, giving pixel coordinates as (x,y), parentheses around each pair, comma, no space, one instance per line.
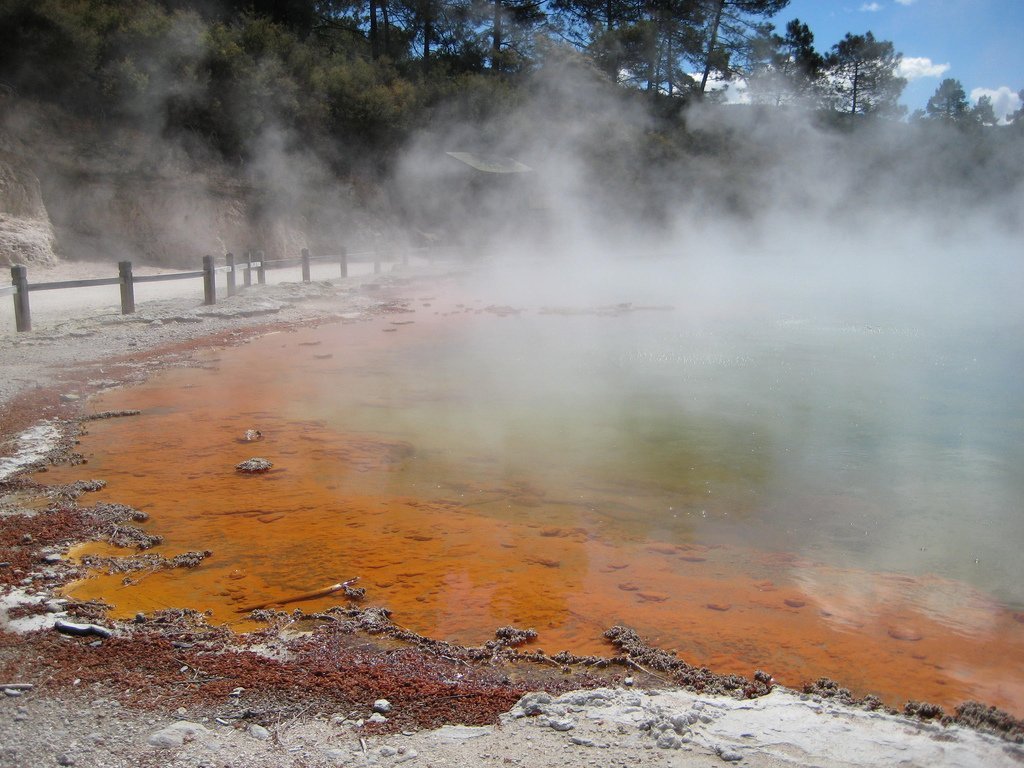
(790,625)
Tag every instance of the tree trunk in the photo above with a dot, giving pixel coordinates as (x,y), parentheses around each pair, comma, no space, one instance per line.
(374,32)
(669,68)
(856,85)
(387,26)
(712,41)
(496,35)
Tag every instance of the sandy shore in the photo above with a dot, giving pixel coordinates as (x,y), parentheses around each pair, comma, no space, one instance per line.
(130,697)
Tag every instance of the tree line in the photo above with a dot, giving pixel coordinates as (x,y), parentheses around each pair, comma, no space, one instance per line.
(216,73)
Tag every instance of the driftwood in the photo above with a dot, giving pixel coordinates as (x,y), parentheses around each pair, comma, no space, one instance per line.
(298,598)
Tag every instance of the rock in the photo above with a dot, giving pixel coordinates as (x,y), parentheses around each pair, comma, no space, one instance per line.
(176,734)
(907,634)
(669,741)
(382,705)
(410,754)
(595,698)
(533,703)
(259,732)
(376,718)
(387,751)
(71,628)
(26,232)
(65,759)
(254,465)
(682,722)
(580,741)
(561,723)
(730,756)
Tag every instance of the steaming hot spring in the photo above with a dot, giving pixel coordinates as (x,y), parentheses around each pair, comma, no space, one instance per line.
(788,486)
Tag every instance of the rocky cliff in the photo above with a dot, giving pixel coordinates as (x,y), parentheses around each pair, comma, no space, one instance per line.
(84,192)
(26,234)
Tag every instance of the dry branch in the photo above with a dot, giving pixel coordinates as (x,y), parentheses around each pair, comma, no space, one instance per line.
(298,598)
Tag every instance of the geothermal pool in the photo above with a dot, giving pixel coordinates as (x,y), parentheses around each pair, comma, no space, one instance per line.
(806,495)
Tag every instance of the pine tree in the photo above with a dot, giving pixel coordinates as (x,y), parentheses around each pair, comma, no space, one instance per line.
(861,78)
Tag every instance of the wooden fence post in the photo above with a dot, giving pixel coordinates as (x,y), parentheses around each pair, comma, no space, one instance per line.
(22,312)
(209,281)
(230,258)
(247,272)
(124,271)
(343,261)
(305,265)
(261,271)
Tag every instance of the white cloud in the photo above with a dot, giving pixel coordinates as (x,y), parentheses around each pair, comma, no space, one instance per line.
(1004,100)
(906,2)
(871,7)
(914,68)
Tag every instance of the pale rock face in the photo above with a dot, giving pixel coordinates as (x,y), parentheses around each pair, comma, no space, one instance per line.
(26,233)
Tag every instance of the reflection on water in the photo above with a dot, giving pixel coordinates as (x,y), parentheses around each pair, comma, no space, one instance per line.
(810,499)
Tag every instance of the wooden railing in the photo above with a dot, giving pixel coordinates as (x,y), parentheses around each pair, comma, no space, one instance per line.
(253,261)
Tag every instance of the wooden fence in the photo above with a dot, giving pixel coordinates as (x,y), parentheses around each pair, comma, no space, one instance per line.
(253,261)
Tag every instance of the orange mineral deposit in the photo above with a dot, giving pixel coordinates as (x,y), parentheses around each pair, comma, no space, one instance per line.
(386,468)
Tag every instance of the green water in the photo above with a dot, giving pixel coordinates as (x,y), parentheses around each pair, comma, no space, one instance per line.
(879,447)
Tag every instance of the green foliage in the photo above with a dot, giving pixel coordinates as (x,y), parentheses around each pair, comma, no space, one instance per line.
(983,112)
(861,76)
(727,40)
(949,102)
(47,49)
(786,70)
(311,73)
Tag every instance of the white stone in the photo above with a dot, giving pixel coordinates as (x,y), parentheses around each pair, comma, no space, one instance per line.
(176,734)
(458,733)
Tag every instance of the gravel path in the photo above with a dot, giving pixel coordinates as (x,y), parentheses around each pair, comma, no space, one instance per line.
(604,727)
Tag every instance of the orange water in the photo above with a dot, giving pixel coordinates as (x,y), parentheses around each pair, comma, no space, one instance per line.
(466,534)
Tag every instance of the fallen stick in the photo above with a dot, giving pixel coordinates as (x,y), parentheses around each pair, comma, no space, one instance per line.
(298,598)
(663,679)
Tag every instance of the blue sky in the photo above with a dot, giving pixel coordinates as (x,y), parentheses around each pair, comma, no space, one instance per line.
(978,42)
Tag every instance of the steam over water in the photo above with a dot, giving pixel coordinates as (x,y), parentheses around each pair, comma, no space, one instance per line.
(775,482)
(755,392)
(876,446)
